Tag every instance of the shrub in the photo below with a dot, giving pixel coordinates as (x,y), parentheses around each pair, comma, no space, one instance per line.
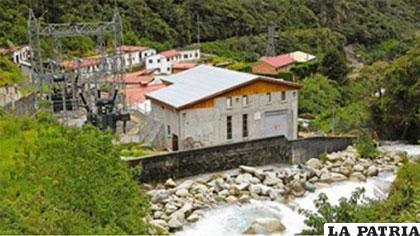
(61,180)
(366,147)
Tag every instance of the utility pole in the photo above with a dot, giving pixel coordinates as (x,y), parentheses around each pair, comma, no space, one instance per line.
(271,39)
(198,30)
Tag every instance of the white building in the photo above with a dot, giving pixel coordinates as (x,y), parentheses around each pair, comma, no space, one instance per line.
(163,61)
(19,55)
(136,55)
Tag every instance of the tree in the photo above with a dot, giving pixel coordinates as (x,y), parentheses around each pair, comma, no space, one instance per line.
(398,110)
(317,95)
(334,66)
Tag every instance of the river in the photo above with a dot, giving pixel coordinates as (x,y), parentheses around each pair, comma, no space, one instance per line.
(234,219)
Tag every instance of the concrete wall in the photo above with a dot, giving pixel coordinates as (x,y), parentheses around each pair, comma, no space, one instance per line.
(23,106)
(222,157)
(229,156)
(169,118)
(305,149)
(9,94)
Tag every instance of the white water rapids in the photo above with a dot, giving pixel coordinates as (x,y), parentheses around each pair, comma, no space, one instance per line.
(234,219)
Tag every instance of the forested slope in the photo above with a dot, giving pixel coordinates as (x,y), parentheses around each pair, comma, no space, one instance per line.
(174,22)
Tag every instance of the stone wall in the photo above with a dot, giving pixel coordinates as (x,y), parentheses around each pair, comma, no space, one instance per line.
(229,156)
(305,149)
(215,158)
(23,106)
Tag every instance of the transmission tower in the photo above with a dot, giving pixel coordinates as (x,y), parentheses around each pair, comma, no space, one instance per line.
(271,39)
(67,89)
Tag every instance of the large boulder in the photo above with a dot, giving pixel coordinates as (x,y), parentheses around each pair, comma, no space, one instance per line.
(309,186)
(159,195)
(265,226)
(252,170)
(314,163)
(358,176)
(358,167)
(345,170)
(183,192)
(271,179)
(297,189)
(185,185)
(336,177)
(176,220)
(243,178)
(170,183)
(335,156)
(372,171)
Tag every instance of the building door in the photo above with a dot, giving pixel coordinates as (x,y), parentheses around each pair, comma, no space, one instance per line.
(276,123)
(174,142)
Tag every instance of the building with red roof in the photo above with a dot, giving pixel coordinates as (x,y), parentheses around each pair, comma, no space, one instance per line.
(273,65)
(181,66)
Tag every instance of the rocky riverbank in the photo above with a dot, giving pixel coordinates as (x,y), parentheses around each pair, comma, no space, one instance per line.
(175,204)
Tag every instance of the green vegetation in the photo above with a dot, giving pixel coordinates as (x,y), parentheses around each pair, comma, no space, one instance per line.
(9,72)
(60,180)
(401,205)
(317,95)
(365,146)
(133,150)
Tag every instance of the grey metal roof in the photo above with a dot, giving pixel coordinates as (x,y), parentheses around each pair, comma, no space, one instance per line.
(197,83)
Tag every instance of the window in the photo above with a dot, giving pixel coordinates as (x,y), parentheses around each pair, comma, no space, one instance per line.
(229,127)
(168,69)
(196,55)
(158,60)
(245,125)
(283,95)
(268,98)
(245,100)
(150,61)
(229,102)
(294,93)
(185,56)
(169,130)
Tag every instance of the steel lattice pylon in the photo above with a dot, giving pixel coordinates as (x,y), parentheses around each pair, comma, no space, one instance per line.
(49,75)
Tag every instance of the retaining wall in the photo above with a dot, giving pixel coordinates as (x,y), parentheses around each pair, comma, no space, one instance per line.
(229,156)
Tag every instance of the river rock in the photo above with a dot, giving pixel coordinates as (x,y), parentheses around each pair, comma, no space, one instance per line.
(314,163)
(358,176)
(183,192)
(336,177)
(345,170)
(157,214)
(265,226)
(309,186)
(358,167)
(170,183)
(194,217)
(297,189)
(254,171)
(159,195)
(176,220)
(335,156)
(325,176)
(372,171)
(243,178)
(231,199)
(254,188)
(223,193)
(186,184)
(244,198)
(271,179)
(159,223)
(348,163)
